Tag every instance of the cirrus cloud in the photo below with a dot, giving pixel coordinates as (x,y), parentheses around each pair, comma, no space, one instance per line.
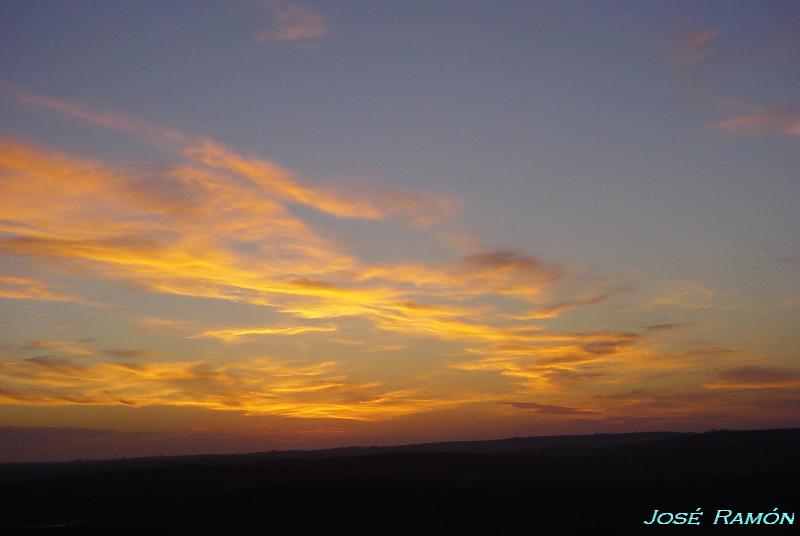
(293,22)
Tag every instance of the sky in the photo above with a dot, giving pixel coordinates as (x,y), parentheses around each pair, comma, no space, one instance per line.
(255,225)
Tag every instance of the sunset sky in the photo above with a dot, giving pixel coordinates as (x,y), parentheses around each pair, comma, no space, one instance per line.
(238,226)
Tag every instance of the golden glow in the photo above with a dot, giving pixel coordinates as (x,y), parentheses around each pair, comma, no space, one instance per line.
(232,334)
(223,226)
(26,288)
(253,386)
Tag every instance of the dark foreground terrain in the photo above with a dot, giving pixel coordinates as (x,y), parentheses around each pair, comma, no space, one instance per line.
(599,484)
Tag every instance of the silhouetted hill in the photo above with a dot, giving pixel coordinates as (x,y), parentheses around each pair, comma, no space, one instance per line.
(597,484)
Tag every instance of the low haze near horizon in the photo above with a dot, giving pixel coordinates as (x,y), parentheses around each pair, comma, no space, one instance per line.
(253,225)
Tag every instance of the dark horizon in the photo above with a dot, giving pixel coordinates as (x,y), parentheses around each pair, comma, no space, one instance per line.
(512,486)
(371,448)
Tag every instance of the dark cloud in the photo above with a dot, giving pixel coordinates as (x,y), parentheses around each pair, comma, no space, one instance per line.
(516,267)
(757,377)
(128,353)
(502,259)
(54,363)
(657,328)
(547,409)
(556,309)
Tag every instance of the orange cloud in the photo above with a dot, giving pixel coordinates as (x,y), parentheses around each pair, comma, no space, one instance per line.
(553,361)
(275,181)
(183,235)
(234,334)
(761,123)
(162,325)
(26,288)
(185,242)
(224,226)
(254,386)
(69,346)
(502,273)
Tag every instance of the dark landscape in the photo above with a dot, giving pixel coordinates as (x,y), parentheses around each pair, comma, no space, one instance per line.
(589,484)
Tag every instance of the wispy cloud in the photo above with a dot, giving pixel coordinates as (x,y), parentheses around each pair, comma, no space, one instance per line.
(665,327)
(101,119)
(556,309)
(761,123)
(293,22)
(270,178)
(128,353)
(691,53)
(695,51)
(699,39)
(685,294)
(281,183)
(221,225)
(549,362)
(547,409)
(67,346)
(506,273)
(27,288)
(152,324)
(236,334)
(756,377)
(254,386)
